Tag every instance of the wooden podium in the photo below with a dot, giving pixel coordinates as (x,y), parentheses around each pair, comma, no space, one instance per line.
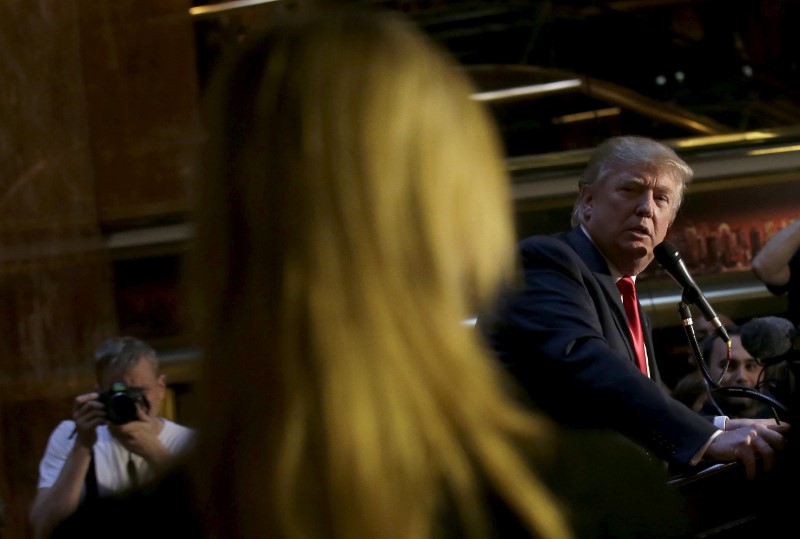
(723,504)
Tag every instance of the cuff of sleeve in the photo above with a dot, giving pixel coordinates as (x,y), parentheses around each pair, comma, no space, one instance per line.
(699,455)
(721,421)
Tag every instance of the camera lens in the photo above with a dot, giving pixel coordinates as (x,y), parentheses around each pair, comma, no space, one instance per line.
(121,409)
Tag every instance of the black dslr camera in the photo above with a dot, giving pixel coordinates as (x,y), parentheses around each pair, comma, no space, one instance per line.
(120,403)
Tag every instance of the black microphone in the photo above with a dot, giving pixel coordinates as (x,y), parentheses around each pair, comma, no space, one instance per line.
(768,338)
(670,259)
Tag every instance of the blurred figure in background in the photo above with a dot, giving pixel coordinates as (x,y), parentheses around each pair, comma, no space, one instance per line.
(777,264)
(116,440)
(355,210)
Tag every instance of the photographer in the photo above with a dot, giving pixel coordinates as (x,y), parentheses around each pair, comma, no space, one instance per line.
(116,440)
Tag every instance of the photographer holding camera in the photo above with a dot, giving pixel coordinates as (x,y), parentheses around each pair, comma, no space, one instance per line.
(116,440)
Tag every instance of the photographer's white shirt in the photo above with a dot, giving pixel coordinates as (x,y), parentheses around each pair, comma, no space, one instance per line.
(110,456)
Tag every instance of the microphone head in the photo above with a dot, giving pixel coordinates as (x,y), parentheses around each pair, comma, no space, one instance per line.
(768,337)
(670,259)
(666,254)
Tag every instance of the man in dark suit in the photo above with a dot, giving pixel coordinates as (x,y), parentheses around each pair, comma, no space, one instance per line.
(565,335)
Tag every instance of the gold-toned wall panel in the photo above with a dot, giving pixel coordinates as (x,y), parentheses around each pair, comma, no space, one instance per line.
(99,123)
(140,79)
(45,168)
(55,283)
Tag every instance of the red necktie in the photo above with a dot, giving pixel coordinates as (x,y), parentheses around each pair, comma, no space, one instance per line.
(631,304)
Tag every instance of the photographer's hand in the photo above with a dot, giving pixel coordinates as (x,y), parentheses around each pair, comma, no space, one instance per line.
(88,414)
(141,438)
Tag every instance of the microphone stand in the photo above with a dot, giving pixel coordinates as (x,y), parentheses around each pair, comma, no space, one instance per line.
(713,385)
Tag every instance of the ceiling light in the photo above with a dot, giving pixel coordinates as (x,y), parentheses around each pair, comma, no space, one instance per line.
(520,91)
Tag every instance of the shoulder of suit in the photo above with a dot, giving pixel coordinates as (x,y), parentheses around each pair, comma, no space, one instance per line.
(556,247)
(541,242)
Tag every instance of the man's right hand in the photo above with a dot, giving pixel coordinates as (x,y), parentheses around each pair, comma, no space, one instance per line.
(88,414)
(747,445)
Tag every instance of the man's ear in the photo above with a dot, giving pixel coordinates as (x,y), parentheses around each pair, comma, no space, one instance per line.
(162,383)
(586,202)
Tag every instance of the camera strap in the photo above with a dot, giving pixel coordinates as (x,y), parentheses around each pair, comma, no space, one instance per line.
(91,492)
(91,481)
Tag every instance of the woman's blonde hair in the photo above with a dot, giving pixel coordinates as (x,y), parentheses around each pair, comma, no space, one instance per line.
(355,210)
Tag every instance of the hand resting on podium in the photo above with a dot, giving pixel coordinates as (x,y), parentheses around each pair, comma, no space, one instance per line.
(747,441)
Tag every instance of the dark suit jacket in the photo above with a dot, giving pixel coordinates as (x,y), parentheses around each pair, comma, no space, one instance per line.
(564,336)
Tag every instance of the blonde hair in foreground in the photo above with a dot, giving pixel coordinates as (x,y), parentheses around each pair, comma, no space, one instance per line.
(356,209)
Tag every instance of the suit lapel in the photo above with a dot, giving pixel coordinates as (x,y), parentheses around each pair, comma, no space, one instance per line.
(599,267)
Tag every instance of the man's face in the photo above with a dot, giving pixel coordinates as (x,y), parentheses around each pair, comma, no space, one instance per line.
(140,376)
(743,371)
(628,213)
